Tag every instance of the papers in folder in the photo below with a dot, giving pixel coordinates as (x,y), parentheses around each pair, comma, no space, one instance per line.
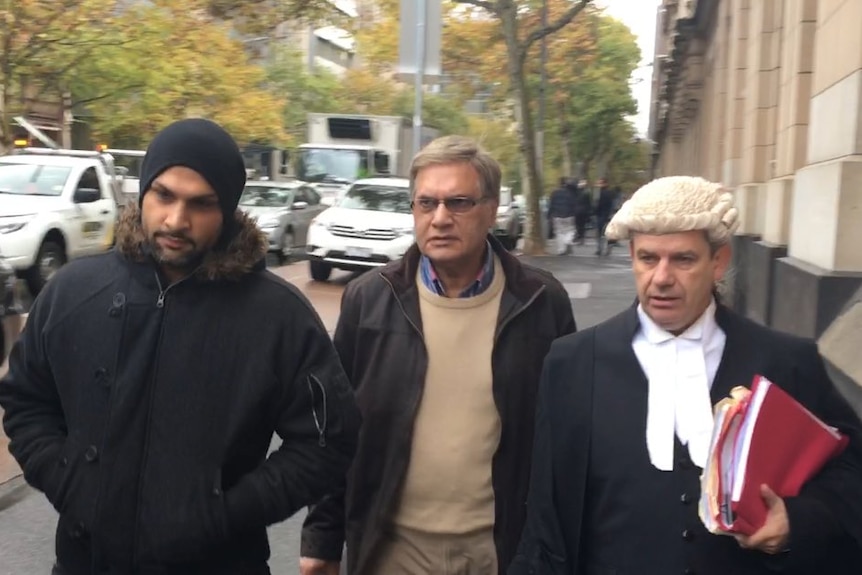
(761,436)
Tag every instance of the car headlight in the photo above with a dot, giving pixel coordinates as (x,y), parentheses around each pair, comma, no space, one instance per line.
(14,223)
(268,223)
(315,223)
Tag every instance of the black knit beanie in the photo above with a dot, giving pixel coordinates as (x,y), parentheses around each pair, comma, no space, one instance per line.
(206,148)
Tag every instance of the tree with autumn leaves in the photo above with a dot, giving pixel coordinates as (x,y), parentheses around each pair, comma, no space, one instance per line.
(175,60)
(491,53)
(127,69)
(41,44)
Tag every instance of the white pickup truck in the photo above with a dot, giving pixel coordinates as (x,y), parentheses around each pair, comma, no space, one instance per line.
(56,205)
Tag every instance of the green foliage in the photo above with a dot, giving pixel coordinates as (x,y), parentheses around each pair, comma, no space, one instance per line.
(599,98)
(257,17)
(301,91)
(40,44)
(157,72)
(359,91)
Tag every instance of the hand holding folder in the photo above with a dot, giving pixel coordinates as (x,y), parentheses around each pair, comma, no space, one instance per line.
(761,437)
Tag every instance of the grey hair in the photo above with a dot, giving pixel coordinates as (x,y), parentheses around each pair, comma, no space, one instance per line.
(458,150)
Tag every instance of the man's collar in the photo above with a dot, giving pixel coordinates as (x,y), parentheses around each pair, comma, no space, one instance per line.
(700,330)
(483,279)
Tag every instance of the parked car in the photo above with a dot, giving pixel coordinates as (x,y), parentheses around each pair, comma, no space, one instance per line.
(55,205)
(521,201)
(371,225)
(10,309)
(283,210)
(509,227)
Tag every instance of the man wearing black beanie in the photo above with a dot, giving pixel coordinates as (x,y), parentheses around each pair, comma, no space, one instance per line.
(145,390)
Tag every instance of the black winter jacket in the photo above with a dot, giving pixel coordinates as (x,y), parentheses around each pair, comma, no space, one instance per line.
(562,203)
(146,414)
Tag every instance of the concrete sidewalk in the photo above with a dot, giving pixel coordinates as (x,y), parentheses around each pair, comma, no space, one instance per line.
(8,467)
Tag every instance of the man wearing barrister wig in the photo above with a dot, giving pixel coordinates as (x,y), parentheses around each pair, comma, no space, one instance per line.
(625,416)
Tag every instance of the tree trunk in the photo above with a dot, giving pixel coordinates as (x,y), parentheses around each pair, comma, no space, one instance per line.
(534,240)
(586,167)
(565,135)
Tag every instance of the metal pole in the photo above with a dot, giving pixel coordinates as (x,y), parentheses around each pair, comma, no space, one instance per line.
(420,70)
(540,143)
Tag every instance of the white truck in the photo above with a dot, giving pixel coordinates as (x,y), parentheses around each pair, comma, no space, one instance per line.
(343,148)
(56,205)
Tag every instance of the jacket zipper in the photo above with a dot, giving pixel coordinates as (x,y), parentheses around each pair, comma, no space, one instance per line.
(404,311)
(414,405)
(160,301)
(518,312)
(312,381)
(160,304)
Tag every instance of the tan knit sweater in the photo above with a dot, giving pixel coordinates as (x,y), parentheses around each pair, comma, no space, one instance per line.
(457,429)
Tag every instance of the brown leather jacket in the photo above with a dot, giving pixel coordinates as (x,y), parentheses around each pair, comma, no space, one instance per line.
(379,340)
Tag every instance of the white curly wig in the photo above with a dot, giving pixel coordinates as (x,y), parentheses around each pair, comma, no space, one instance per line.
(677,204)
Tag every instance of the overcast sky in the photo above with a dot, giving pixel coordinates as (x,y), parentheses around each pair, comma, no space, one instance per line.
(639,16)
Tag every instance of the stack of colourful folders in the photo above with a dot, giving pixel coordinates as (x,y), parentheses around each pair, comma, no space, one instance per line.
(761,436)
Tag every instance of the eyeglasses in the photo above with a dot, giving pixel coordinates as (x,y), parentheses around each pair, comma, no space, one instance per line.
(456,205)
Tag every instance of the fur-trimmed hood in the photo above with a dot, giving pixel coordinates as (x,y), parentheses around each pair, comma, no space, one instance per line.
(243,252)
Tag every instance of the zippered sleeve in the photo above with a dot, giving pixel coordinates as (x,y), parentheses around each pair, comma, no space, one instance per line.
(318,425)
(323,532)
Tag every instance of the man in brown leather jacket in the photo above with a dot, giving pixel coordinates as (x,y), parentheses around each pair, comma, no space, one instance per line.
(445,350)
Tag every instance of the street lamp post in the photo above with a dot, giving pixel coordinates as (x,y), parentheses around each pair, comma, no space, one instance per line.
(540,129)
(420,70)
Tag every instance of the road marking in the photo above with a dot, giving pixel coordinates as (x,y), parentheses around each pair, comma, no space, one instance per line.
(578,290)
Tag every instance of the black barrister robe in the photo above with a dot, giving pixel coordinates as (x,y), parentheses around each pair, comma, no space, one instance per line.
(597,506)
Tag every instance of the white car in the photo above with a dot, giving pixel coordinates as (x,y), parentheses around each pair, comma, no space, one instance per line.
(53,208)
(371,225)
(509,227)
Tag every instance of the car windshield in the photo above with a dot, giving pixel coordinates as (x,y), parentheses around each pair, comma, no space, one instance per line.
(377,198)
(265,197)
(331,165)
(33,179)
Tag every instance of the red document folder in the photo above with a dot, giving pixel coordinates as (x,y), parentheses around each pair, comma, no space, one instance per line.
(780,444)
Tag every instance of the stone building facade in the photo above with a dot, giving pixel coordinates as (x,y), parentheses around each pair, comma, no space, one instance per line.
(765,96)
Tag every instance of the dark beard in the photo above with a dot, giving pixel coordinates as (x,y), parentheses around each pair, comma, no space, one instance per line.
(186,262)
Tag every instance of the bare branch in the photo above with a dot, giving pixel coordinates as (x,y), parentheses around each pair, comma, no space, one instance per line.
(484,4)
(561,23)
(108,95)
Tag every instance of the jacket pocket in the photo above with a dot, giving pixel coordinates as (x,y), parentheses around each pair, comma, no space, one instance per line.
(186,520)
(319,407)
(333,406)
(46,471)
(62,469)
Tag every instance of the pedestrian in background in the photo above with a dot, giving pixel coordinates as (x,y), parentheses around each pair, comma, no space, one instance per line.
(561,212)
(149,381)
(604,210)
(583,210)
